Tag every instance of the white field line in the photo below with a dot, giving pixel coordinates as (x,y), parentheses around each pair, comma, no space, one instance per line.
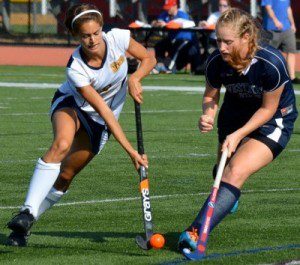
(29,85)
(55,86)
(148,88)
(152,197)
(33,74)
(293,262)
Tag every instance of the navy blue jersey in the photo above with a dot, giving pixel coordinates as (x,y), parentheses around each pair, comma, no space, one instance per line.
(244,92)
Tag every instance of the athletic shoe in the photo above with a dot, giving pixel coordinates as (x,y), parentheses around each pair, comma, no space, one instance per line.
(22,222)
(16,239)
(235,207)
(188,239)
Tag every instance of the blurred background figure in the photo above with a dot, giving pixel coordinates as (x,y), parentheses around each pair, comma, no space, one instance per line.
(211,21)
(213,18)
(278,20)
(179,47)
(58,8)
(139,10)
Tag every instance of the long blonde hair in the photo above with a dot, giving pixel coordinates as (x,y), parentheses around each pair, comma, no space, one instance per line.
(242,23)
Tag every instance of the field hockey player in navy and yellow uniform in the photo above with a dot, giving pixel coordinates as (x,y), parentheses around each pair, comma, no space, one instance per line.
(257,116)
(84,112)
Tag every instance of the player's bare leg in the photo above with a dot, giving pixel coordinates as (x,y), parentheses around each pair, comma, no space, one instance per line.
(65,124)
(78,157)
(251,156)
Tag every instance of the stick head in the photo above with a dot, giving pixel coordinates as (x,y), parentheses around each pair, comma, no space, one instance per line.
(196,255)
(142,243)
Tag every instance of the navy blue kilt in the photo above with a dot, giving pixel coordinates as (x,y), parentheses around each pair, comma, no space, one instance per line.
(98,133)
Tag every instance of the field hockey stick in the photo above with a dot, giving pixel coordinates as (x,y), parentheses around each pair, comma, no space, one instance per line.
(143,243)
(199,253)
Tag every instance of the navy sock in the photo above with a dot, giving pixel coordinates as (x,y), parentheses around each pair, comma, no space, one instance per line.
(226,198)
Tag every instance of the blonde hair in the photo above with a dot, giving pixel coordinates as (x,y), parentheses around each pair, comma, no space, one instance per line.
(80,13)
(242,23)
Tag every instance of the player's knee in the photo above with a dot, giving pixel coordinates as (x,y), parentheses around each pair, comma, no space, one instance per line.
(233,174)
(60,146)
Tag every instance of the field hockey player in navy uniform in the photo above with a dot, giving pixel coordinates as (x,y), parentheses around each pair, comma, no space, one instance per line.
(257,116)
(84,112)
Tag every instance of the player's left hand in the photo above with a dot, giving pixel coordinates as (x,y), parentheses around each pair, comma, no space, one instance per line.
(231,142)
(135,89)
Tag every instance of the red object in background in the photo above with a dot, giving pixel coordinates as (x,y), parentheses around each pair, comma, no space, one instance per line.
(169,4)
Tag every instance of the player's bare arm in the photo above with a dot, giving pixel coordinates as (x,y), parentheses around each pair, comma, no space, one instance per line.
(147,62)
(209,108)
(96,101)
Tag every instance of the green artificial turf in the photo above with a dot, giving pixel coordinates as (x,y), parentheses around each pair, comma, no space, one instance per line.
(100,224)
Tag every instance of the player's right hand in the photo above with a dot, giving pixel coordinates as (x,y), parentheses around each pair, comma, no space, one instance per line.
(139,160)
(206,123)
(135,89)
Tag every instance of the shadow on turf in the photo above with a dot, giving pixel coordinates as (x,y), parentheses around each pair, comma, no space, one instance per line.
(99,237)
(3,239)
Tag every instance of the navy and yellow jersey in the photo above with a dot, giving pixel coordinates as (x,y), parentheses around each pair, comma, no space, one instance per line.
(244,92)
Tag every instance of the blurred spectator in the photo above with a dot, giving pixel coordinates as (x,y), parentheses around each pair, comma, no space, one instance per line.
(58,9)
(139,10)
(181,47)
(211,21)
(278,20)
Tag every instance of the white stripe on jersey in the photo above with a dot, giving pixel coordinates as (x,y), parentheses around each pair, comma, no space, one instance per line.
(275,135)
(104,139)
